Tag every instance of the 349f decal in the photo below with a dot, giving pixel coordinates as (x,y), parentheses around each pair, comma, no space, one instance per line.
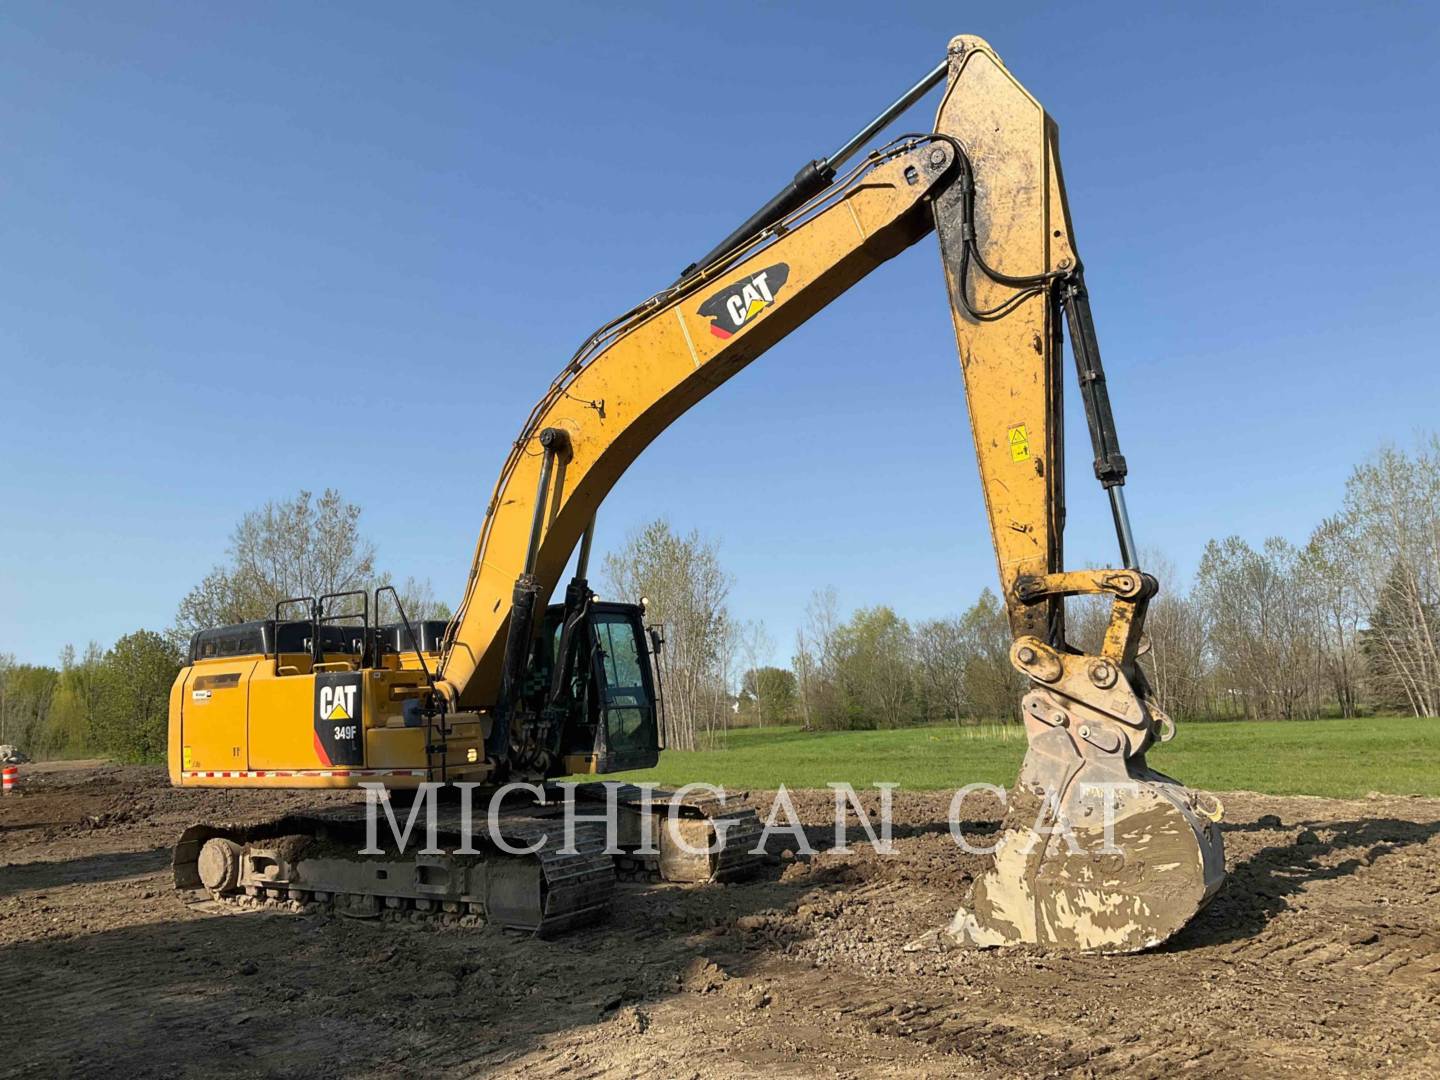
(735,307)
(338,737)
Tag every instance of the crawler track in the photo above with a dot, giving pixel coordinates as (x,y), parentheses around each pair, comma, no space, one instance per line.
(301,860)
(527,882)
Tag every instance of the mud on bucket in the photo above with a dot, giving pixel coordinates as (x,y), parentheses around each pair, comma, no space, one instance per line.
(1100,855)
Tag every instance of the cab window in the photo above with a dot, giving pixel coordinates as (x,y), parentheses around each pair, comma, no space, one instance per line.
(624,683)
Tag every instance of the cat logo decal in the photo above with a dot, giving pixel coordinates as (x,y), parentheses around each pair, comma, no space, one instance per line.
(339,737)
(736,306)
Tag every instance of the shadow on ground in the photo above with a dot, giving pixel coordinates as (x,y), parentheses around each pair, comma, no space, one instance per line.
(1258,887)
(288,995)
(25,877)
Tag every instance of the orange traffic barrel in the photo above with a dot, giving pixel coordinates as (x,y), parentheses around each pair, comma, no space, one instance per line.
(11,774)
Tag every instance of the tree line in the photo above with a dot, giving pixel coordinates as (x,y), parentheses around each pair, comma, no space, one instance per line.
(112,702)
(1346,622)
(115,702)
(872,668)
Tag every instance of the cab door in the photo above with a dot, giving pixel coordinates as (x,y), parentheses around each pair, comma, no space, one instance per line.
(624,692)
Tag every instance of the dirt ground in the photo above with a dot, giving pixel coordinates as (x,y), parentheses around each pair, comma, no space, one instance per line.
(1320,956)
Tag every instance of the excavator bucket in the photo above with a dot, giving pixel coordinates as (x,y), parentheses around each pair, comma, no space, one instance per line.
(1097,852)
(1112,863)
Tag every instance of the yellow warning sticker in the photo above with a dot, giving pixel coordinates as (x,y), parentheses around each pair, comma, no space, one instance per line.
(1019,443)
(187,759)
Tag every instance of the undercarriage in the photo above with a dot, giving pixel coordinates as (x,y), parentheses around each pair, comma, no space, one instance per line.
(530,874)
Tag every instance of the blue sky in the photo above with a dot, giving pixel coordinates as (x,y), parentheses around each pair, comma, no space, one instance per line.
(254,248)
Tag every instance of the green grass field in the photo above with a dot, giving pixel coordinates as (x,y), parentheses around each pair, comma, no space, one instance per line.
(1338,758)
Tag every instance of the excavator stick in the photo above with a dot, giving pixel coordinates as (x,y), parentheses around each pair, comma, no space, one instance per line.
(1097,851)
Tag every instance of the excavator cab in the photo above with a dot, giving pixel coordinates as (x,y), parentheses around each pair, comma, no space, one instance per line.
(601,684)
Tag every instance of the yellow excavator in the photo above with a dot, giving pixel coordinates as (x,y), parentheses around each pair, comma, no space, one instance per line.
(1098,851)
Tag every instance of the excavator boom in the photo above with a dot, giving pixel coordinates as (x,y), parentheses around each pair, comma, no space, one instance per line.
(988,181)
(637,375)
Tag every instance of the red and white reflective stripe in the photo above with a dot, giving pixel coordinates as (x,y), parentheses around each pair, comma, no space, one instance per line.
(259,774)
(11,774)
